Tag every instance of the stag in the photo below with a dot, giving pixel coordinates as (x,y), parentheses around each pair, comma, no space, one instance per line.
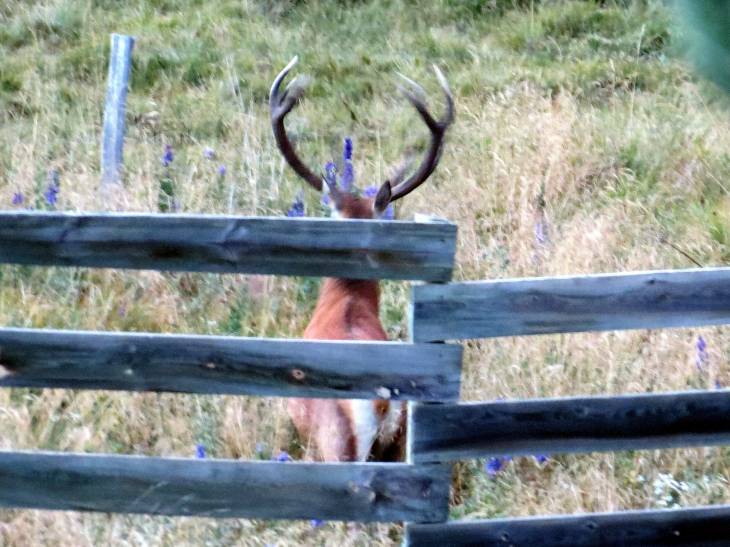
(348,309)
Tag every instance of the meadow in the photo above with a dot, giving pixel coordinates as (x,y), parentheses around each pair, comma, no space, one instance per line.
(582,143)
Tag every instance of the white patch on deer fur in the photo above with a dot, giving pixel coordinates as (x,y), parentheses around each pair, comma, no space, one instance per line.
(366,426)
(391,422)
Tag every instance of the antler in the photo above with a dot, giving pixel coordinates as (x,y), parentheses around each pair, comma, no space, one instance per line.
(438,130)
(393,189)
(281,104)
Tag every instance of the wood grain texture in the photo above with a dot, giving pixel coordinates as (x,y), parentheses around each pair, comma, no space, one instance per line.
(358,249)
(224,488)
(578,424)
(696,527)
(514,307)
(217,364)
(115,107)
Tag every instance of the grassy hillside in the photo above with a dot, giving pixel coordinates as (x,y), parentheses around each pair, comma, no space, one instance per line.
(581,144)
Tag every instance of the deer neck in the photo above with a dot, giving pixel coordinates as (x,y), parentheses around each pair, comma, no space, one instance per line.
(364,291)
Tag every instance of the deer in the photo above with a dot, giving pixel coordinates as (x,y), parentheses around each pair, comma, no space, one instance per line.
(346,430)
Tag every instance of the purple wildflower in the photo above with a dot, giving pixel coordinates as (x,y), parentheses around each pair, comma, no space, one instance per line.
(493,467)
(168,157)
(541,458)
(330,174)
(208,153)
(297,206)
(176,205)
(703,358)
(51,195)
(348,174)
(388,214)
(222,170)
(718,385)
(316,523)
(330,177)
(540,235)
(17,198)
(282,457)
(259,448)
(122,311)
(200,451)
(347,154)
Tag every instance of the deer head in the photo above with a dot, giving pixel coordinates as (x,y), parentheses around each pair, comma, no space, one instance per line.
(346,204)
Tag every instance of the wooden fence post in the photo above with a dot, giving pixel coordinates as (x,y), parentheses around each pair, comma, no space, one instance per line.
(120,67)
(447,468)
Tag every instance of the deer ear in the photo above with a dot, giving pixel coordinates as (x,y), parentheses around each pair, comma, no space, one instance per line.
(382,199)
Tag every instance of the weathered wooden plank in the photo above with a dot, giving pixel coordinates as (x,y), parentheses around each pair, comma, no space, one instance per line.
(619,301)
(115,108)
(218,364)
(224,488)
(361,249)
(576,424)
(696,527)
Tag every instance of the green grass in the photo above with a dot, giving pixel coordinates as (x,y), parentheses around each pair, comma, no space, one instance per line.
(577,115)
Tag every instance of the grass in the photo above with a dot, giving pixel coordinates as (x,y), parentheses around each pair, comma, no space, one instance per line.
(575,115)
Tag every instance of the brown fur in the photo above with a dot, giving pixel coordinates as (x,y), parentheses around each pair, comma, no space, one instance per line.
(347,310)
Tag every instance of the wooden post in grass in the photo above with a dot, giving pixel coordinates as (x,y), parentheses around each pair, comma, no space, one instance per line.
(120,67)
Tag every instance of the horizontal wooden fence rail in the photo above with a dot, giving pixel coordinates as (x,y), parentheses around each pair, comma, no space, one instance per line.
(696,527)
(620,301)
(218,364)
(224,488)
(568,425)
(361,249)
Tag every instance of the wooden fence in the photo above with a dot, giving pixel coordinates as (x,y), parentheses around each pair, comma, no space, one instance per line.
(44,358)
(425,372)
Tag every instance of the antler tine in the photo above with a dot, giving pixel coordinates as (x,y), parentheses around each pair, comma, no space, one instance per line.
(281,104)
(437,128)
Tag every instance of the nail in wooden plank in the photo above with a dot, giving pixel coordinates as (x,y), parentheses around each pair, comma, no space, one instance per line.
(218,364)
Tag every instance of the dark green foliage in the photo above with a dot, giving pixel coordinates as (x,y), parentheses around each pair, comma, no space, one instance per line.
(15,34)
(61,28)
(707,32)
(166,199)
(11,78)
(478,7)
(86,63)
(239,318)
(192,62)
(584,29)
